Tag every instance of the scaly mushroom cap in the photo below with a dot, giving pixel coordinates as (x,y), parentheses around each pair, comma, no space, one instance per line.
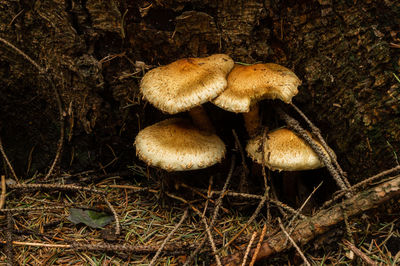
(284,150)
(249,84)
(186,83)
(176,145)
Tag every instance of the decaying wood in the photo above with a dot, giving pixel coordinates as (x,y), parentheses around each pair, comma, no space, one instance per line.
(324,219)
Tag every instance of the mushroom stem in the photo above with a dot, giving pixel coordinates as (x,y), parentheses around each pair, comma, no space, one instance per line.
(252,120)
(200,119)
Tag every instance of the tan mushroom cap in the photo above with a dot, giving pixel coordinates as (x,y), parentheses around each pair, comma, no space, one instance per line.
(186,83)
(249,84)
(284,150)
(176,145)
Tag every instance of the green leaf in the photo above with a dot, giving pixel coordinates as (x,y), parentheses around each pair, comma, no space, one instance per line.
(91,218)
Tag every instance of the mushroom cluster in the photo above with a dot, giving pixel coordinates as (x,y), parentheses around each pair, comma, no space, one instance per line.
(178,144)
(184,85)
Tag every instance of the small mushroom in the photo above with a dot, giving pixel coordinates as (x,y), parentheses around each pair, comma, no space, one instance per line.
(176,145)
(186,84)
(247,85)
(284,151)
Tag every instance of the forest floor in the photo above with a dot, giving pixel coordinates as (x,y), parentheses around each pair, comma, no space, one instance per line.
(37,222)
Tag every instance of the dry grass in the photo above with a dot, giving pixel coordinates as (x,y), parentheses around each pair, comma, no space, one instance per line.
(146,220)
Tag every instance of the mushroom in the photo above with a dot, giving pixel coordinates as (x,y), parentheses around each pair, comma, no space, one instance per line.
(285,151)
(186,84)
(247,85)
(176,145)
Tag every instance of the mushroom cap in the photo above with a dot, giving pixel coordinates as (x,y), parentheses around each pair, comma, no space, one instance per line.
(284,150)
(176,145)
(249,84)
(186,83)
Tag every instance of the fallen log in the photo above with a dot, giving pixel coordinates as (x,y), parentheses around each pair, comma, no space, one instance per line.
(319,223)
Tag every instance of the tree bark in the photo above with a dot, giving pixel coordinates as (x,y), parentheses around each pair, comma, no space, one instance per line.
(95,51)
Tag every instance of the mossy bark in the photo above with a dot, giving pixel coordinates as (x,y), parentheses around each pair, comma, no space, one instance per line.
(345,52)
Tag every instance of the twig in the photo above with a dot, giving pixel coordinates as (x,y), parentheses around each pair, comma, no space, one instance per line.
(246,254)
(135,188)
(115,214)
(153,261)
(215,214)
(293,242)
(3,192)
(293,124)
(212,243)
(301,208)
(210,183)
(359,253)
(7,43)
(324,219)
(58,100)
(260,205)
(30,244)
(346,223)
(62,128)
(136,249)
(181,248)
(9,245)
(362,183)
(11,210)
(253,259)
(207,198)
(243,178)
(55,187)
(264,138)
(255,197)
(6,159)
(263,161)
(372,178)
(317,133)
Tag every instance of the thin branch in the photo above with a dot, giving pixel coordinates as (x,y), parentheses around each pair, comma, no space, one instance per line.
(294,124)
(253,259)
(30,244)
(62,128)
(55,187)
(323,220)
(212,243)
(260,205)
(301,208)
(115,214)
(11,210)
(293,242)
(317,133)
(9,237)
(252,218)
(377,176)
(7,161)
(359,253)
(24,55)
(153,261)
(3,192)
(248,248)
(363,183)
(58,100)
(243,178)
(255,197)
(217,206)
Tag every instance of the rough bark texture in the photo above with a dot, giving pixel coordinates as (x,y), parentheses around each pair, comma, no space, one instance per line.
(94,49)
